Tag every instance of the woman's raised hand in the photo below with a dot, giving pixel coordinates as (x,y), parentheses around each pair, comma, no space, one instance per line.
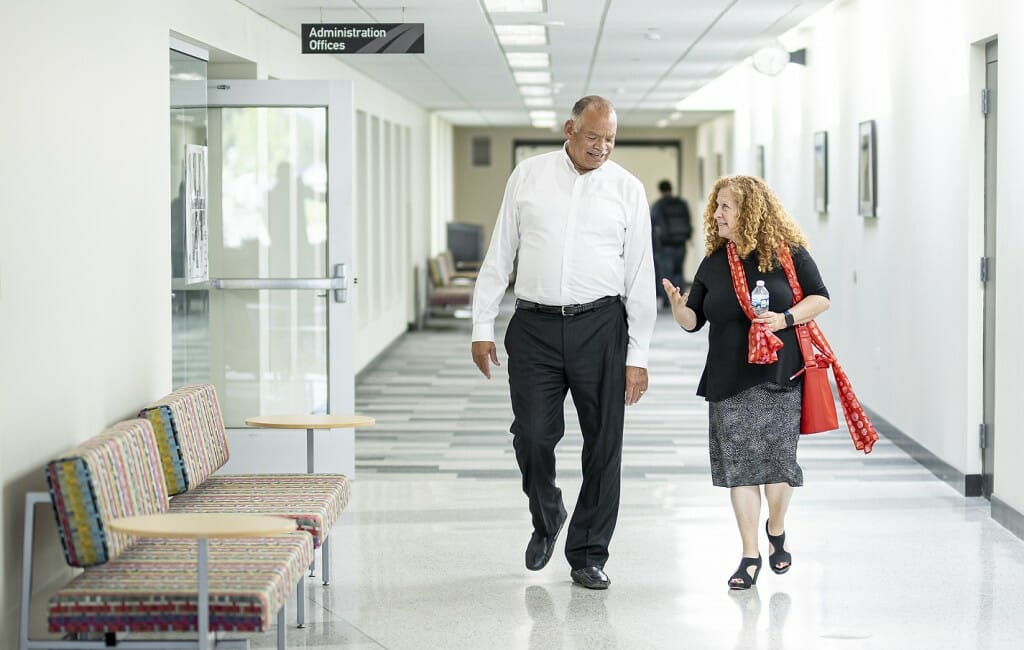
(675,296)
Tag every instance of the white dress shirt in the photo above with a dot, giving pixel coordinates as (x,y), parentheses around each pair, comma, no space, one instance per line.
(579,237)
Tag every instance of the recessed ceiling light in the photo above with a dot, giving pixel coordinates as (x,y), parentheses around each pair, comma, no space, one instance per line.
(522,34)
(542,115)
(528,59)
(662,123)
(675,116)
(536,102)
(534,91)
(532,77)
(544,124)
(514,6)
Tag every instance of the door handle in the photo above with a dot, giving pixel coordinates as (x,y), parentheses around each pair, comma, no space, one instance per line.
(337,283)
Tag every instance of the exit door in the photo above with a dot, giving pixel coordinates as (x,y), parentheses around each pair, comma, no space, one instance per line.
(280,325)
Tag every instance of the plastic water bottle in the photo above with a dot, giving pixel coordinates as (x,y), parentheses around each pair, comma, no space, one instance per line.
(759,298)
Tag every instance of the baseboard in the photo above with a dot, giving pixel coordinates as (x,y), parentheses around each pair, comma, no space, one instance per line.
(1007,517)
(968,485)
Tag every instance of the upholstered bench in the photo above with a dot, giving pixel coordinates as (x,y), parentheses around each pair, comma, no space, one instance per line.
(150,585)
(193,445)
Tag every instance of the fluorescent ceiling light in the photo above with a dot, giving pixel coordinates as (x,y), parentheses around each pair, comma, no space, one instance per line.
(528,59)
(544,124)
(536,102)
(542,115)
(533,77)
(522,34)
(534,91)
(514,6)
(662,123)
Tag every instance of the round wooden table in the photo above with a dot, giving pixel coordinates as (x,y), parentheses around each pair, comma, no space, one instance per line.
(202,527)
(310,422)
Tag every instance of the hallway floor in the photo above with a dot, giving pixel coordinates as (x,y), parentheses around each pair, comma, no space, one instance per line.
(430,551)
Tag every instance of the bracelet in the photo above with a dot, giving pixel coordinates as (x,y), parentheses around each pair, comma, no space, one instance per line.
(789,318)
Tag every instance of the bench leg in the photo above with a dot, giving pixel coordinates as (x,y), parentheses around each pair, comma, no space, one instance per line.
(280,628)
(204,595)
(300,603)
(325,560)
(31,499)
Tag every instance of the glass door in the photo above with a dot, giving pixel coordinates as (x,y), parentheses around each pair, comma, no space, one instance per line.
(279,216)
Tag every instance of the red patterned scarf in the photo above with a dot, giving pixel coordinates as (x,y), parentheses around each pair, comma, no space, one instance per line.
(763,344)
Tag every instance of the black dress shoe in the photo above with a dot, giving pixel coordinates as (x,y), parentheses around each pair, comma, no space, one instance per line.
(591,577)
(540,548)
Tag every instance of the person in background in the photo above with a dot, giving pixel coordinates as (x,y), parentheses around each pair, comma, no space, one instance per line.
(585,312)
(671,229)
(754,408)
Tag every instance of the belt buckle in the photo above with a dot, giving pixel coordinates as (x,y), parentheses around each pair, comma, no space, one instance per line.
(565,313)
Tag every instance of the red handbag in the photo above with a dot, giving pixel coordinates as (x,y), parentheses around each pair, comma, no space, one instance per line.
(818,411)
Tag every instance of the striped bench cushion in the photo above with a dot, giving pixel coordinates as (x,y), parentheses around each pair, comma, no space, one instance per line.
(315,501)
(151,586)
(191,437)
(114,474)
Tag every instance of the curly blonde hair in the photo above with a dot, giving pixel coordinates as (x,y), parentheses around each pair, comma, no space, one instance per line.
(763,224)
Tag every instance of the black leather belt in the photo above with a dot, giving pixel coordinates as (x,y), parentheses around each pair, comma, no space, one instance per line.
(566,310)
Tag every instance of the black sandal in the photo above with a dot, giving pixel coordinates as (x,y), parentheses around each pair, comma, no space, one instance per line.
(742,578)
(780,554)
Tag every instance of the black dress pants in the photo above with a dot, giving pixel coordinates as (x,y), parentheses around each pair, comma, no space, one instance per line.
(548,356)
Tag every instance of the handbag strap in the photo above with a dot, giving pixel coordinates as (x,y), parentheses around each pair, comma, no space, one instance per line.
(862,432)
(803,339)
(762,344)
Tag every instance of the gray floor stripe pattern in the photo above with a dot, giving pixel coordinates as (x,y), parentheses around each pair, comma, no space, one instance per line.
(430,550)
(436,414)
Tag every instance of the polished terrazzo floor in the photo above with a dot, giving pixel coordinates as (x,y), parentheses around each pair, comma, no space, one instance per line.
(430,551)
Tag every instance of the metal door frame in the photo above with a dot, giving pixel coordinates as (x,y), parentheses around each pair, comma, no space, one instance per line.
(987,433)
(337,98)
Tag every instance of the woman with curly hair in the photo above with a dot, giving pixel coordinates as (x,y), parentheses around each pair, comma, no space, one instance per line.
(754,404)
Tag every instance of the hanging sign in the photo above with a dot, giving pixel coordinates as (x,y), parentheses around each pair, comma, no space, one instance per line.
(362,38)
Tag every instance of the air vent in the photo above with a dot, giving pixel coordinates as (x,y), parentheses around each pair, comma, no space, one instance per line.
(481,151)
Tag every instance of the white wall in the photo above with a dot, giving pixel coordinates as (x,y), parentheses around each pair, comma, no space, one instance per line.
(913,357)
(84,224)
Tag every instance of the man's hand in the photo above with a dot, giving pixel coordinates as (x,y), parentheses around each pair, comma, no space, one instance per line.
(484,352)
(636,383)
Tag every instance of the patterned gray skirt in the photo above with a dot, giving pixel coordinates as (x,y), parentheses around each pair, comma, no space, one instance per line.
(753,437)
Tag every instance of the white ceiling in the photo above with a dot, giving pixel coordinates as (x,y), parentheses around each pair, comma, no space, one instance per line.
(599,47)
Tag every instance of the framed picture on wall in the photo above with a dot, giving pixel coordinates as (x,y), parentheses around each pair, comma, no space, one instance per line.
(821,171)
(867,173)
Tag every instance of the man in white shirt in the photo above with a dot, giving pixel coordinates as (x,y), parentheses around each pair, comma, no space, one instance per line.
(585,311)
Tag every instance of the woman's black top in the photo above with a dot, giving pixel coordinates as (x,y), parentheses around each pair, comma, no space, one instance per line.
(713,299)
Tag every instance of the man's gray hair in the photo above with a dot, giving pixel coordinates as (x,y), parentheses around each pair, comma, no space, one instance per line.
(584,103)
